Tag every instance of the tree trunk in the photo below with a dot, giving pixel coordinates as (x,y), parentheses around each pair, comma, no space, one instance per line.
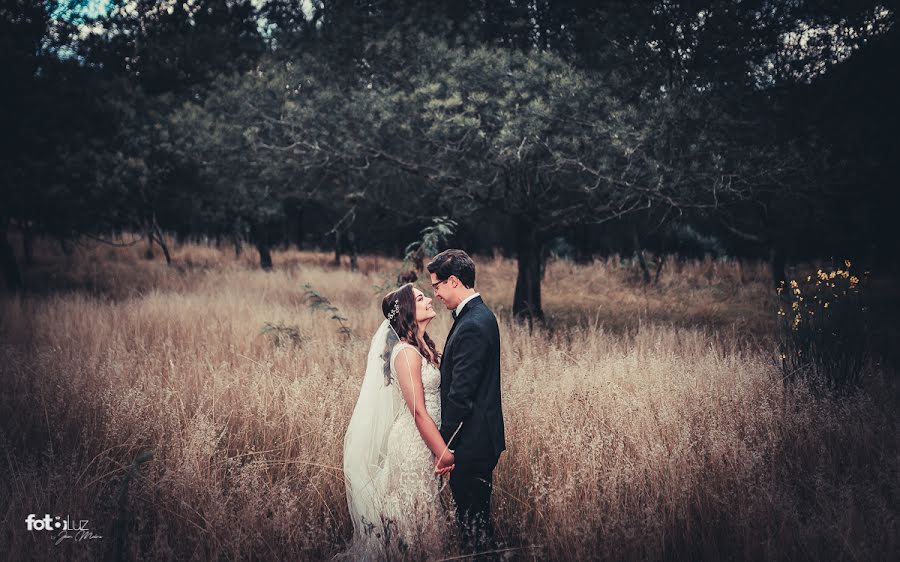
(260,236)
(639,252)
(351,241)
(265,256)
(148,254)
(11,273)
(777,264)
(157,232)
(293,226)
(337,247)
(582,243)
(165,249)
(659,268)
(527,299)
(238,247)
(661,261)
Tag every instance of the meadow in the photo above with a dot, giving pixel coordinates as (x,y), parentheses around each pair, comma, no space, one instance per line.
(643,422)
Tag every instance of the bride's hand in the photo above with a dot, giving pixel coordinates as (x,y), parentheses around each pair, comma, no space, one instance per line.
(445,464)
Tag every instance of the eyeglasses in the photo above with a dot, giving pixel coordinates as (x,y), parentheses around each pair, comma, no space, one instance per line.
(438,284)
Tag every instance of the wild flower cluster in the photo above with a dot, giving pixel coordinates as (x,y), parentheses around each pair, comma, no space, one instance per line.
(822,326)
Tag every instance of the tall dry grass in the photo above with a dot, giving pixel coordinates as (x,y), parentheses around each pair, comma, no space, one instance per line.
(645,423)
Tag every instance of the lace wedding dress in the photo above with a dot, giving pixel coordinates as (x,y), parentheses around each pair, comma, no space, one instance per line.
(411,487)
(392,490)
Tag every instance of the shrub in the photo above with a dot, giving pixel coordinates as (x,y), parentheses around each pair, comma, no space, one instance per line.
(823,328)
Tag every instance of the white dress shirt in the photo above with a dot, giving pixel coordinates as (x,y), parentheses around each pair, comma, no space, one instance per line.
(463,303)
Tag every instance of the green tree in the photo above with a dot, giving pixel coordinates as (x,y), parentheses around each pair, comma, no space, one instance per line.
(529,135)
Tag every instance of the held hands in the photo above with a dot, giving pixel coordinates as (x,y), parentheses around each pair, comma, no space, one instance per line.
(445,464)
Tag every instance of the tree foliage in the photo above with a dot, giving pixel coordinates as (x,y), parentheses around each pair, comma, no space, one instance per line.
(354,124)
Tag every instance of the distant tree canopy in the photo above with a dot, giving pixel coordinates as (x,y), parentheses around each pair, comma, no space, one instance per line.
(351,124)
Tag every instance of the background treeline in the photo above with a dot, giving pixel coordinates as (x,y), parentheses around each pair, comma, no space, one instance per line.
(755,128)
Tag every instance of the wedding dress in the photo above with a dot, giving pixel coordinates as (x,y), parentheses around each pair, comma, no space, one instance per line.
(392,490)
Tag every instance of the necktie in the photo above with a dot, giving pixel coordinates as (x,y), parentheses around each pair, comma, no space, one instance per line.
(453,314)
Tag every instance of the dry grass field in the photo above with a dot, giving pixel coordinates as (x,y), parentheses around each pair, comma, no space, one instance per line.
(642,422)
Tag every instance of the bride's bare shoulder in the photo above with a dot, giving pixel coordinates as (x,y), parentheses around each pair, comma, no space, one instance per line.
(405,350)
(402,344)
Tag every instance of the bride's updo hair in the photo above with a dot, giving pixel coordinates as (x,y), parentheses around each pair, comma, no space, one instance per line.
(399,307)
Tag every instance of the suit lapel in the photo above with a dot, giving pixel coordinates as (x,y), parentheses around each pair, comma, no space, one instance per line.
(450,335)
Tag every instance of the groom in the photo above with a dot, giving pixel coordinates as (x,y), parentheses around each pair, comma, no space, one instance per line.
(471,415)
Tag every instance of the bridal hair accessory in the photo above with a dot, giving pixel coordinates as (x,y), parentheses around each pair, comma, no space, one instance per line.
(394,311)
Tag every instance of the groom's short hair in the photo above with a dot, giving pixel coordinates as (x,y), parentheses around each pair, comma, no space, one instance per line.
(453,262)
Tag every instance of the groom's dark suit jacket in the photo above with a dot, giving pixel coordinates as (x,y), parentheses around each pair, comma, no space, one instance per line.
(470,388)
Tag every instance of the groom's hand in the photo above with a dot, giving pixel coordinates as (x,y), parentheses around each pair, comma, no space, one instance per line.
(445,464)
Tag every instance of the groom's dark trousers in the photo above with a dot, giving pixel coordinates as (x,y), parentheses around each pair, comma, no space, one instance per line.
(472,495)
(472,417)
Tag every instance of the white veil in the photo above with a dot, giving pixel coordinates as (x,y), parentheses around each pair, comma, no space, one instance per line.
(365,442)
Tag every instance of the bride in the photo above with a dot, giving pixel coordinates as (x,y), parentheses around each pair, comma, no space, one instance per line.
(393,440)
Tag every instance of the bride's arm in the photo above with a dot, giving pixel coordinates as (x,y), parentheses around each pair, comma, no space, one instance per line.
(409,374)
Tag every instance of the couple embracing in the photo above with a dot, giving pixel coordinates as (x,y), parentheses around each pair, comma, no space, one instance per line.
(423,414)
